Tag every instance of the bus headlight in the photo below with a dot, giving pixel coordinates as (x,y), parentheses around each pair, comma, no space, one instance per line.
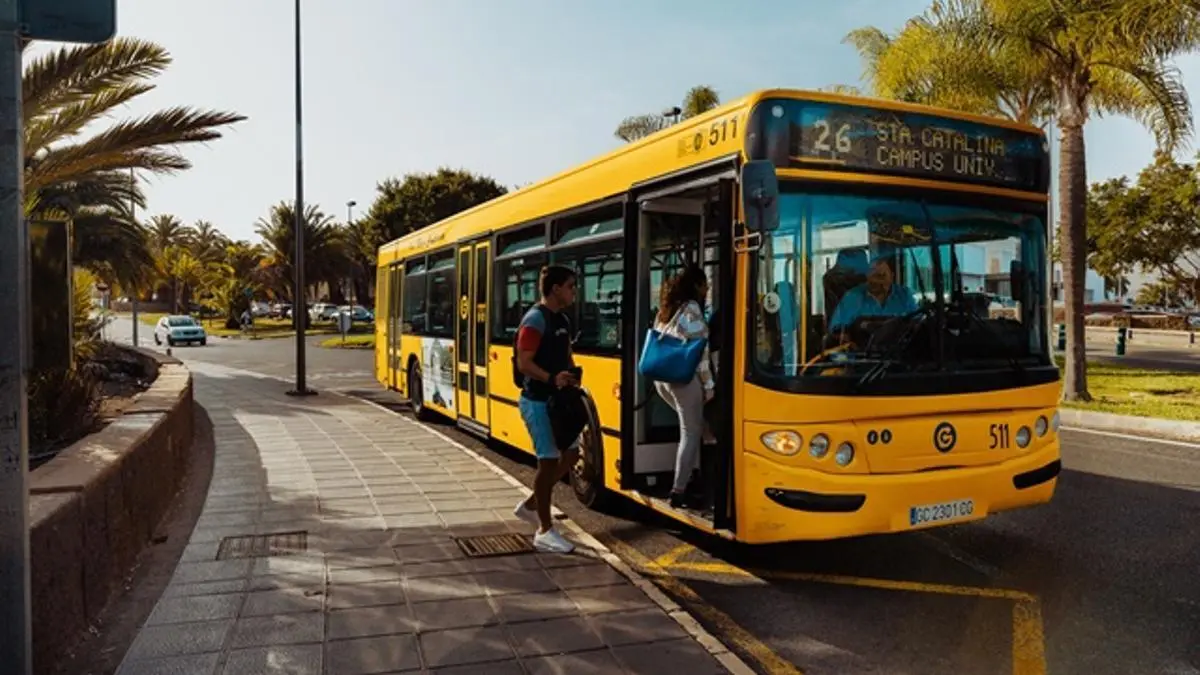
(1054,421)
(1023,437)
(844,454)
(1041,426)
(818,447)
(783,442)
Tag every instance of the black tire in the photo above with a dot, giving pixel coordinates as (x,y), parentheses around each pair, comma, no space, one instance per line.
(170,342)
(416,393)
(204,342)
(157,341)
(587,476)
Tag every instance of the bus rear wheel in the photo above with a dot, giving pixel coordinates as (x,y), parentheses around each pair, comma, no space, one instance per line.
(587,476)
(416,393)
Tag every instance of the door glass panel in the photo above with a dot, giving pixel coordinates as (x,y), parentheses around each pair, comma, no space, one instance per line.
(464,286)
(480,305)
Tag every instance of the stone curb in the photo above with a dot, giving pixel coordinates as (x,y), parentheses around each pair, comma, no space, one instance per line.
(1130,424)
(727,658)
(97,505)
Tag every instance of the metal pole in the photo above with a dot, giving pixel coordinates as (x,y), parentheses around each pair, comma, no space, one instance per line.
(134,291)
(16,636)
(1051,229)
(299,299)
(350,219)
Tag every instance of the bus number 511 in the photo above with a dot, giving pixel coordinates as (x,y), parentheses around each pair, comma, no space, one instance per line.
(999,434)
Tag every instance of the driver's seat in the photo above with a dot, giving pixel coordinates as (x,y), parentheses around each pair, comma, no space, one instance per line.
(849,270)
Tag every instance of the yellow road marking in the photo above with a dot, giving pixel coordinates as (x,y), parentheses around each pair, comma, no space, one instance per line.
(1028,634)
(770,662)
(1029,639)
(864,582)
(671,557)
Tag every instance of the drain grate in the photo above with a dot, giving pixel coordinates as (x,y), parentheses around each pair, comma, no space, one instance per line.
(263,545)
(488,545)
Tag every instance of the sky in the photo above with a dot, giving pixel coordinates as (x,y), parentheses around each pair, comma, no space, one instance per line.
(515,89)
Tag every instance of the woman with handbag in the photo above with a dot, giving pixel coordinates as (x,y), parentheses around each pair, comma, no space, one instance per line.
(681,316)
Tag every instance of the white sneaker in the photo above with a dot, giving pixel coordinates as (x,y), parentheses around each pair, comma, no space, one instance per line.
(551,541)
(527,514)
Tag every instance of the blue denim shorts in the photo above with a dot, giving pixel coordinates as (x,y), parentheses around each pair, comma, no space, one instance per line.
(537,422)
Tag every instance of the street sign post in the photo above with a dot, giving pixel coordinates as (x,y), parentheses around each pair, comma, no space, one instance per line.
(86,21)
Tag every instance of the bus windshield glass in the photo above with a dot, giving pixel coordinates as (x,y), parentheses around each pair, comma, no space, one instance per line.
(885,295)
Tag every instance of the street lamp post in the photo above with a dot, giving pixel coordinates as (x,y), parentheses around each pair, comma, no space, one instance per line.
(350,219)
(299,297)
(133,292)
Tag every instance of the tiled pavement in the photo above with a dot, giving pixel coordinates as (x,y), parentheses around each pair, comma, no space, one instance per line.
(382,587)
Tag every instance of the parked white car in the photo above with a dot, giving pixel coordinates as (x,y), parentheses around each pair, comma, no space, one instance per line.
(177,328)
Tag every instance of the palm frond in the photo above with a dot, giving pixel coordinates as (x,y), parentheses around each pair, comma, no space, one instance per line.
(1153,94)
(100,189)
(1159,28)
(75,72)
(134,144)
(111,245)
(871,43)
(67,121)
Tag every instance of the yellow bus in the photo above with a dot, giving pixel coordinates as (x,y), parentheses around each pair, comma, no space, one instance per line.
(844,406)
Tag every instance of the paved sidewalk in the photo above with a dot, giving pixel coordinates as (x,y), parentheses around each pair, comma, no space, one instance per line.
(380,585)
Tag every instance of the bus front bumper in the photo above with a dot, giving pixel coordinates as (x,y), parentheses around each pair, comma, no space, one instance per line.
(784,503)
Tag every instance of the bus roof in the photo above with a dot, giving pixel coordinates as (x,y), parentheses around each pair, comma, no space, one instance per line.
(670,149)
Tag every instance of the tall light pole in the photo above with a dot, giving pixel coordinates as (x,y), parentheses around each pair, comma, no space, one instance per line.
(350,219)
(133,291)
(299,297)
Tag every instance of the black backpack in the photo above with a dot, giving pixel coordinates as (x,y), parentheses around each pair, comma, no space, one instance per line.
(518,377)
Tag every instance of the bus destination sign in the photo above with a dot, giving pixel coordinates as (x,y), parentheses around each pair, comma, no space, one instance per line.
(832,136)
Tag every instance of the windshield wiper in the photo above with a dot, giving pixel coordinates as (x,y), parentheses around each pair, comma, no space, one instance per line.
(912,323)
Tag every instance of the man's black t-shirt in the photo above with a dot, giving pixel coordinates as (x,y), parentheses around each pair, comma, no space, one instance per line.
(548,334)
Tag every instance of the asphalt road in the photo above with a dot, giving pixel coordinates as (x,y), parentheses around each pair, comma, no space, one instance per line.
(1104,579)
(1140,355)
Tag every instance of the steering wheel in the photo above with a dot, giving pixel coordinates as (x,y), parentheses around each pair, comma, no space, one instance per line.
(859,331)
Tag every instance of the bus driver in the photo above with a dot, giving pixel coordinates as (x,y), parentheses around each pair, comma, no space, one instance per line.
(879,295)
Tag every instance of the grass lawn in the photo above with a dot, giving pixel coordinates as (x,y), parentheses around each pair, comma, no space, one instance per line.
(351,342)
(1147,393)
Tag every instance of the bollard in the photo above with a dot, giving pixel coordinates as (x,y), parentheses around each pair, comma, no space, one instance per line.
(1062,337)
(1121,341)
(1192,338)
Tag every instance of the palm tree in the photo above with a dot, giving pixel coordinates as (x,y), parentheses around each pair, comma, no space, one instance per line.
(360,244)
(74,173)
(165,231)
(181,272)
(698,100)
(1032,60)
(323,253)
(207,243)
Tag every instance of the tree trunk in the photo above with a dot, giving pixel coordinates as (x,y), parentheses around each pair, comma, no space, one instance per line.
(1072,193)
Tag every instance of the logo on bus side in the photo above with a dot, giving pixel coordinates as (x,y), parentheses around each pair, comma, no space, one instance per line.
(944,437)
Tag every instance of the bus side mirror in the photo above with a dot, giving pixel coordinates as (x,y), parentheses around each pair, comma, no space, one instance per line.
(760,196)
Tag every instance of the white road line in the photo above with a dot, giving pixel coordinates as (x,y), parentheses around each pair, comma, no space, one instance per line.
(1131,437)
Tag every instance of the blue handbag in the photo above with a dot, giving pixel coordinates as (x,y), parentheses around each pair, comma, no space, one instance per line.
(666,358)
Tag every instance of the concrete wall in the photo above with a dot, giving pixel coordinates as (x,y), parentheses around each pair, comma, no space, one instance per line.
(95,507)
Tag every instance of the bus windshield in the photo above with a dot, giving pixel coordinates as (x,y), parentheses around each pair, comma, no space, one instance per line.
(885,295)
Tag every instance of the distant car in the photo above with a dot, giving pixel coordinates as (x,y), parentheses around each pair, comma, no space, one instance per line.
(177,328)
